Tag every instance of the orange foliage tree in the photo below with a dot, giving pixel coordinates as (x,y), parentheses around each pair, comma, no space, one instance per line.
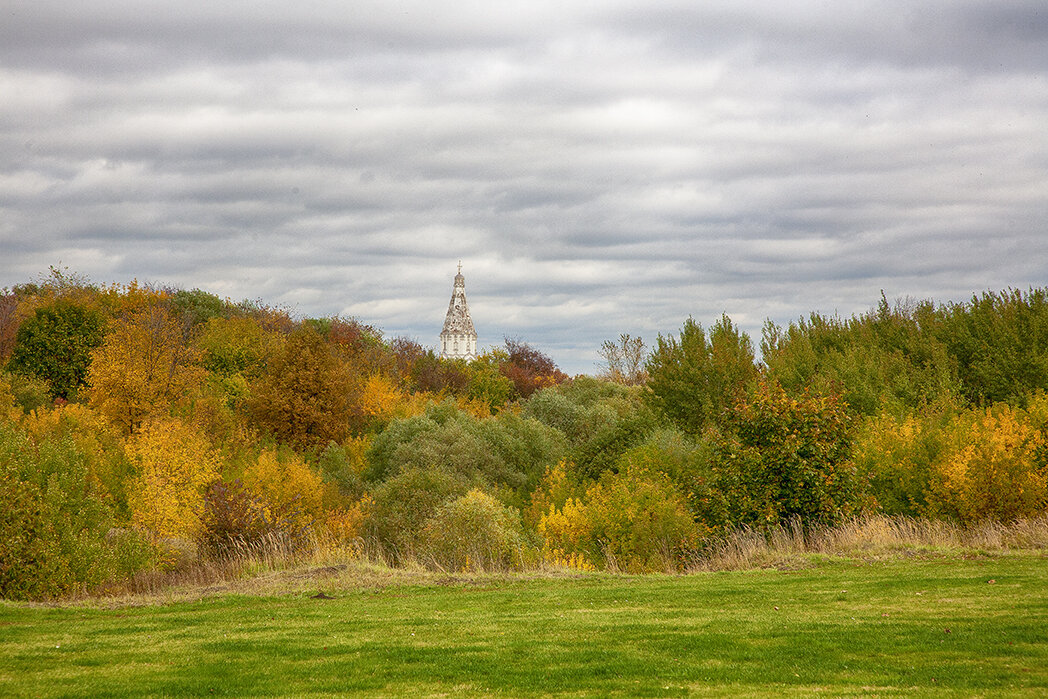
(304,396)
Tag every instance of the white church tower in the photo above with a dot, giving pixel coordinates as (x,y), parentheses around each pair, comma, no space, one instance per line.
(458,340)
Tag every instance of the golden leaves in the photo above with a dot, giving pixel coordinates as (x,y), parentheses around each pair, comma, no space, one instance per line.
(143,366)
(175,465)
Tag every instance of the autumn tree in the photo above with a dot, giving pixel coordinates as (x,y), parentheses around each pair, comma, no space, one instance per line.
(528,368)
(143,366)
(304,395)
(55,345)
(287,484)
(432,374)
(624,360)
(175,464)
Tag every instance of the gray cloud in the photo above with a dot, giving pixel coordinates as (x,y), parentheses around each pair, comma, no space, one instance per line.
(599,168)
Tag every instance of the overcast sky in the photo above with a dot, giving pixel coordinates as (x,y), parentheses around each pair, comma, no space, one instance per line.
(599,167)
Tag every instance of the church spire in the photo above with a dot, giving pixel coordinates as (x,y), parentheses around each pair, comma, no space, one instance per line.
(458,340)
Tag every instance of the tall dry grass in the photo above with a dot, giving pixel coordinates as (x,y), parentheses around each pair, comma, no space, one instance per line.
(868,536)
(273,566)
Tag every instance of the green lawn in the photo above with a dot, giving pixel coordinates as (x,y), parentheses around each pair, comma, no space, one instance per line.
(926,627)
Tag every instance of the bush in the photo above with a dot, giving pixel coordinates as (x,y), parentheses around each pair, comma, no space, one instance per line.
(781,457)
(53,527)
(234,518)
(898,456)
(994,466)
(474,532)
(689,464)
(404,503)
(636,520)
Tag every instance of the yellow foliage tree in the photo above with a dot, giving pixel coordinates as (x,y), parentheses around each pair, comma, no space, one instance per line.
(144,365)
(284,480)
(636,519)
(175,465)
(379,399)
(993,467)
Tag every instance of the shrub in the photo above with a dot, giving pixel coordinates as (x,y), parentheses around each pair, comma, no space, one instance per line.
(342,466)
(689,463)
(556,487)
(405,502)
(234,518)
(109,470)
(782,457)
(636,520)
(898,456)
(53,527)
(474,532)
(993,467)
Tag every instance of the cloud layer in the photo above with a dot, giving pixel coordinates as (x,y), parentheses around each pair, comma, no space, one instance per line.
(598,167)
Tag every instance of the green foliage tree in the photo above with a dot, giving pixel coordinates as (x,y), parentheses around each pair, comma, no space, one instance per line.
(55,345)
(579,408)
(196,307)
(1000,343)
(487,383)
(54,529)
(888,359)
(692,380)
(507,451)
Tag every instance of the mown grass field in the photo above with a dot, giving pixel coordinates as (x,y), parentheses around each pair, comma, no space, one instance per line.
(934,626)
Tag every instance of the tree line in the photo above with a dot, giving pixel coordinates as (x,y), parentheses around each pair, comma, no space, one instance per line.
(149,428)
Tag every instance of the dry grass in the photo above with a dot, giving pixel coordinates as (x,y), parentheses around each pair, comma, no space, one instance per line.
(790,545)
(273,567)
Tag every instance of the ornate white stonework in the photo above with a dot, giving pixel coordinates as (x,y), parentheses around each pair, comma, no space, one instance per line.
(458,340)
